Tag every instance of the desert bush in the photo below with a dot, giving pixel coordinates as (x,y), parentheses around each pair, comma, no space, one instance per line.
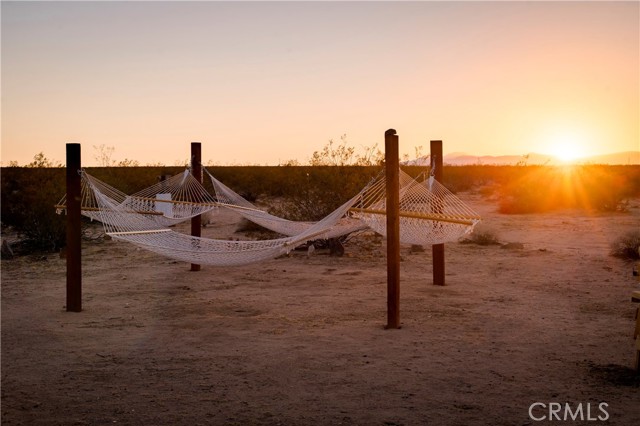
(590,187)
(482,236)
(320,190)
(610,187)
(132,179)
(40,161)
(28,196)
(28,199)
(627,246)
(336,173)
(459,179)
(341,154)
(525,195)
(462,178)
(254,182)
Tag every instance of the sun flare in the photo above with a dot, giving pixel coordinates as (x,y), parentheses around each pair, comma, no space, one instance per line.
(566,152)
(567,147)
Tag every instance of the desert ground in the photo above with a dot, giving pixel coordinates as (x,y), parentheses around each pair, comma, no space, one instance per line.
(300,340)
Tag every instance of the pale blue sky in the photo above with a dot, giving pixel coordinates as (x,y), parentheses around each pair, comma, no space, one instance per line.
(266,82)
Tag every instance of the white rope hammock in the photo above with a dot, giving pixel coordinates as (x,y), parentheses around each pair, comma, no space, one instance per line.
(178,198)
(429,214)
(229,199)
(123,223)
(167,203)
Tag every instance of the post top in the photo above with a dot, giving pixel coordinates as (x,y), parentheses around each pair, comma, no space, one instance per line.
(390,132)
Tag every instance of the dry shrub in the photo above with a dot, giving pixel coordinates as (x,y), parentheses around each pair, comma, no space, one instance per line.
(627,246)
(543,189)
(482,236)
(321,190)
(30,193)
(28,199)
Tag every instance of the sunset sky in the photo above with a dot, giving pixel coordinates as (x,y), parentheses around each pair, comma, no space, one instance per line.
(267,82)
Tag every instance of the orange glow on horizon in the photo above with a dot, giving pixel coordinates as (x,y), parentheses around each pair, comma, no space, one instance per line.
(592,188)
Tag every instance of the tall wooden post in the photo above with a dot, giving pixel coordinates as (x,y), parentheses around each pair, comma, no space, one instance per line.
(196,170)
(74,231)
(393,228)
(437,250)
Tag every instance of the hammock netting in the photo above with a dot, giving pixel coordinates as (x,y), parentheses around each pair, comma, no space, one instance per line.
(167,203)
(229,199)
(429,214)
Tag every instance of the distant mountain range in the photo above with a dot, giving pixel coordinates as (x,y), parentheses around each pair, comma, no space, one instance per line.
(462,159)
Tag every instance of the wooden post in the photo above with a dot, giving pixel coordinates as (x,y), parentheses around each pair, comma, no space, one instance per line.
(74,231)
(437,250)
(196,170)
(393,228)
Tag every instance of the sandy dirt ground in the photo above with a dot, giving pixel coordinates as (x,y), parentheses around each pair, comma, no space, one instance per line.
(300,340)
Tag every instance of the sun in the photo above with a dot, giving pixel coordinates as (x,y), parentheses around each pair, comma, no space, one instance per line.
(567,146)
(566,152)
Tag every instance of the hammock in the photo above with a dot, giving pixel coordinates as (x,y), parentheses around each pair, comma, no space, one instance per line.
(229,199)
(429,212)
(122,223)
(167,203)
(178,198)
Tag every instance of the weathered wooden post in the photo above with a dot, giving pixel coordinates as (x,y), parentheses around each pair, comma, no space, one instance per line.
(437,250)
(74,231)
(393,228)
(196,170)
